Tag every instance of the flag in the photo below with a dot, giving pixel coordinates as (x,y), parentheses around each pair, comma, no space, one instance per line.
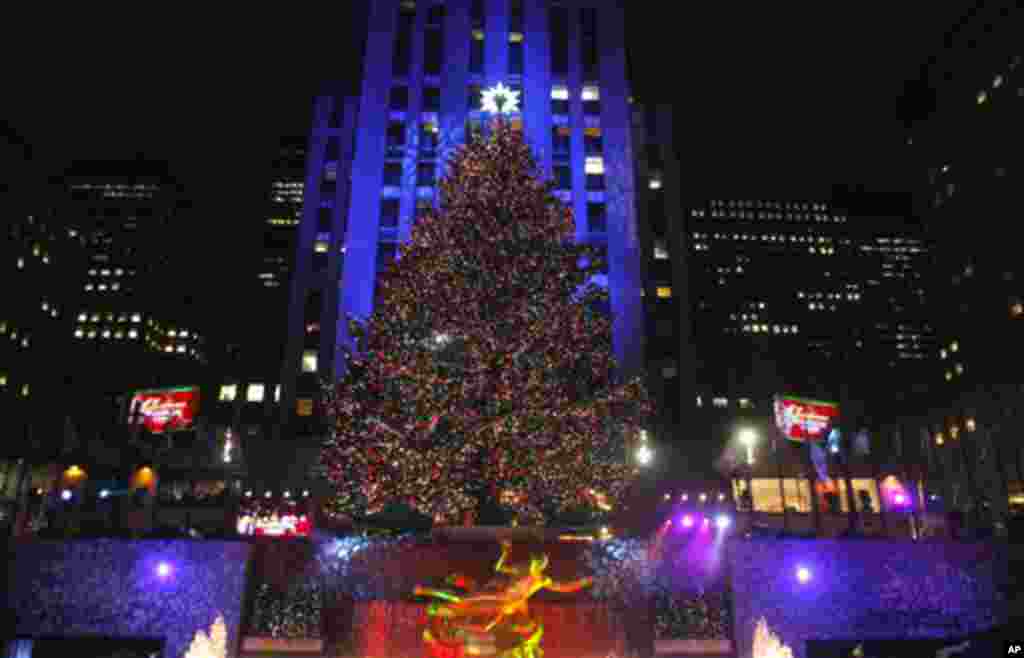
(862,443)
(820,462)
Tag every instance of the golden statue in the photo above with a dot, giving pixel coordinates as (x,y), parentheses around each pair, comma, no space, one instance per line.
(494,620)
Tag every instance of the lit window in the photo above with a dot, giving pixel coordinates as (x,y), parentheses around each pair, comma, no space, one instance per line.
(133,333)
(254,393)
(106,333)
(954,346)
(304,407)
(24,390)
(959,369)
(228,392)
(181,348)
(981,97)
(943,354)
(92,334)
(721,403)
(478,35)
(136,317)
(594,166)
(660,250)
(277,393)
(82,317)
(119,335)
(320,247)
(309,359)
(1016,309)
(664,292)
(79,333)
(515,37)
(3,379)
(591,93)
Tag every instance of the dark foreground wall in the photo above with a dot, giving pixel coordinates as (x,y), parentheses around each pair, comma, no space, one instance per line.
(865,590)
(112,588)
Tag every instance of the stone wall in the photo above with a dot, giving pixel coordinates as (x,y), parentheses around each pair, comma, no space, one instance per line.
(864,590)
(113,588)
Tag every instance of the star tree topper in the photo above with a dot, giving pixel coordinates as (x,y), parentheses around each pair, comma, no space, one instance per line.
(499,99)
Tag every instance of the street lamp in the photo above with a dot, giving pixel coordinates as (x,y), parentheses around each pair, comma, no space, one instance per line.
(644,455)
(748,437)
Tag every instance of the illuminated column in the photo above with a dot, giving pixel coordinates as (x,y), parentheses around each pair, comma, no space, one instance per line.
(496,22)
(623,239)
(413,119)
(455,81)
(360,269)
(537,81)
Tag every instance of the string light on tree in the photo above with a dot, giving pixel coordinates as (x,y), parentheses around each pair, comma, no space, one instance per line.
(486,368)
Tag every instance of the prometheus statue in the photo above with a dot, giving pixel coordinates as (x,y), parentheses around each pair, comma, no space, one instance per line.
(494,620)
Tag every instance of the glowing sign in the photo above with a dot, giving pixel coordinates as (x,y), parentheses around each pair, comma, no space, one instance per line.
(800,419)
(286,525)
(165,410)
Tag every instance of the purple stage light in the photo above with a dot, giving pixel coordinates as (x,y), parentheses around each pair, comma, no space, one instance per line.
(163,570)
(687,521)
(803,575)
(722,521)
(900,499)
(65,495)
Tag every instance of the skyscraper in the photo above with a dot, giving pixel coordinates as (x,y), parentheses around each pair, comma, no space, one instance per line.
(375,159)
(968,170)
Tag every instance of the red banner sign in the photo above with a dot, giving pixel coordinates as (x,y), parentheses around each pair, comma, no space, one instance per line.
(165,410)
(800,419)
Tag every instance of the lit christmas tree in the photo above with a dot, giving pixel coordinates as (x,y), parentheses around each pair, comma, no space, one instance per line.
(486,367)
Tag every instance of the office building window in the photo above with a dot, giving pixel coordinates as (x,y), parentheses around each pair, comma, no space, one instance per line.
(474,98)
(558,19)
(386,254)
(476,52)
(309,359)
(277,393)
(560,136)
(660,250)
(425,174)
(399,98)
(393,174)
(664,292)
(594,166)
(433,46)
(403,40)
(228,393)
(563,178)
(431,99)
(593,143)
(435,15)
(254,393)
(588,42)
(396,139)
(515,54)
(321,247)
(304,407)
(389,213)
(429,137)
(597,218)
(591,100)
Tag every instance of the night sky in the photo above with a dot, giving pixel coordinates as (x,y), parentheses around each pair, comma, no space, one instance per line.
(794,98)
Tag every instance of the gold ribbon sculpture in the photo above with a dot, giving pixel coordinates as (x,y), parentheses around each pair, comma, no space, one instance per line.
(494,620)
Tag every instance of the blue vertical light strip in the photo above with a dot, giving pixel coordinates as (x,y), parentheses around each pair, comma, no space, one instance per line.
(496,25)
(360,270)
(537,81)
(413,119)
(455,79)
(623,236)
(578,156)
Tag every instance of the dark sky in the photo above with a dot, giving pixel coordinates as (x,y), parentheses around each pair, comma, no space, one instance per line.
(804,96)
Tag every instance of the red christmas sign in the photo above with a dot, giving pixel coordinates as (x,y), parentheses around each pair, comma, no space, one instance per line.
(800,419)
(165,410)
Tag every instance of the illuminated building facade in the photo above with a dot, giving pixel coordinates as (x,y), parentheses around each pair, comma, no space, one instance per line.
(967,167)
(128,298)
(811,288)
(374,160)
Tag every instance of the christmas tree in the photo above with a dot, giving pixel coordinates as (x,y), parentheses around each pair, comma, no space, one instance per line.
(486,368)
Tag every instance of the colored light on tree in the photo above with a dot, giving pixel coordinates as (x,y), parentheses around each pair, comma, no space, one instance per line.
(803,575)
(163,570)
(486,366)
